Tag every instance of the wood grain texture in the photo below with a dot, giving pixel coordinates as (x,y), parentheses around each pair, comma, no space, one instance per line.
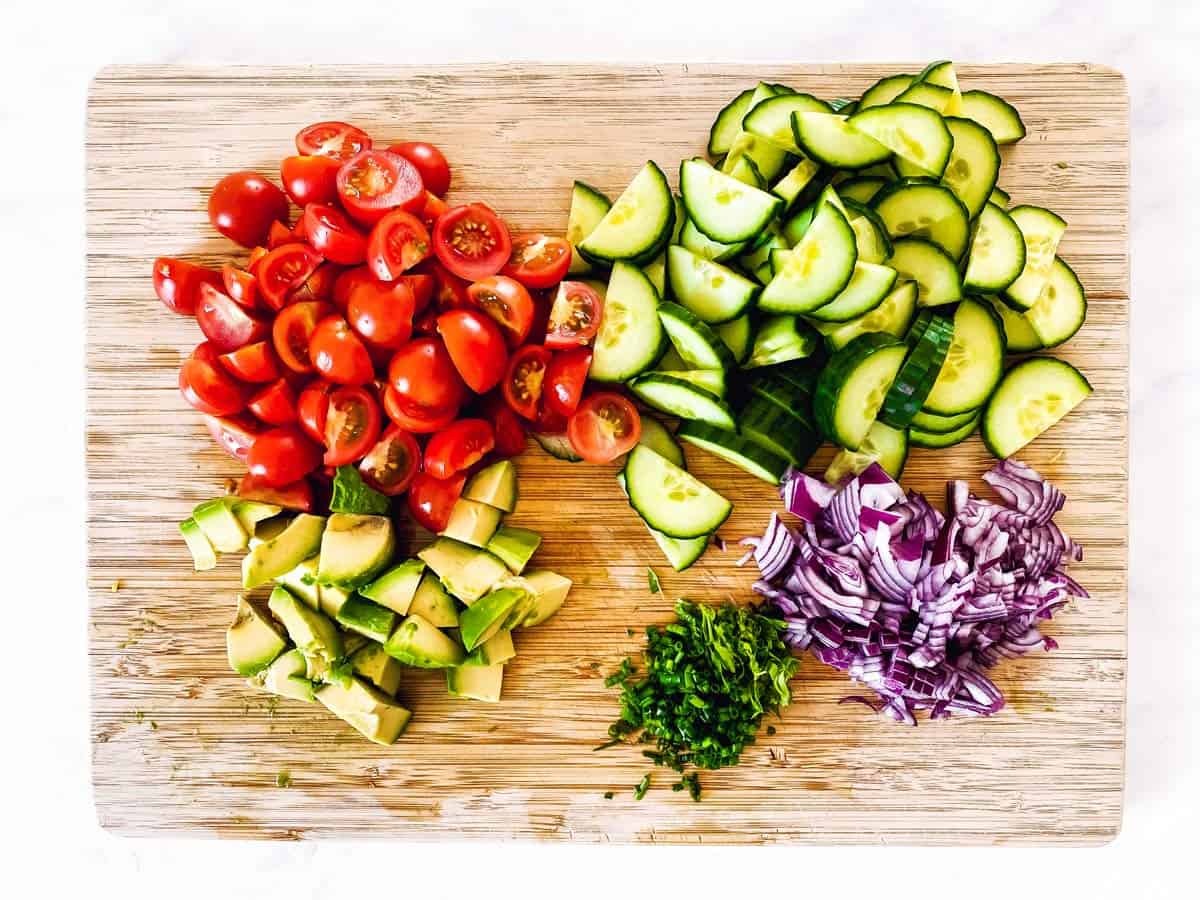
(181,745)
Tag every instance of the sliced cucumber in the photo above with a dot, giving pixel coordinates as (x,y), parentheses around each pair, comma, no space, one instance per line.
(935,273)
(638,224)
(757,261)
(937,440)
(1041,230)
(883,444)
(728,123)
(1060,310)
(669,499)
(912,132)
(852,386)
(1019,336)
(679,553)
(868,287)
(931,96)
(885,90)
(816,269)
(924,209)
(997,254)
(771,119)
(917,376)
(941,74)
(829,139)
(750,158)
(741,165)
(683,398)
(800,177)
(631,338)
(722,207)
(588,207)
(927,421)
(779,431)
(695,342)
(729,446)
(870,234)
(974,362)
(697,242)
(892,316)
(1032,396)
(711,380)
(781,339)
(861,188)
(999,197)
(558,446)
(715,294)
(788,386)
(996,115)
(657,438)
(738,336)
(974,164)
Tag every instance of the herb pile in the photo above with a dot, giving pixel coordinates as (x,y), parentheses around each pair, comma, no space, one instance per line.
(710,678)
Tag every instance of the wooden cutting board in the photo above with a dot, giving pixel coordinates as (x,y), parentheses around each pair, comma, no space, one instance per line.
(181,745)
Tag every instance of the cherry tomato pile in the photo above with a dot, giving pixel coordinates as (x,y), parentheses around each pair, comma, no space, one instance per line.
(380,319)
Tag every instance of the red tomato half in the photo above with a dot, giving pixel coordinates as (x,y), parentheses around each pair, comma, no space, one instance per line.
(234,434)
(243,205)
(574,317)
(254,258)
(510,431)
(549,422)
(317,286)
(538,261)
(225,323)
(429,161)
(283,270)
(374,182)
(275,404)
(338,353)
(351,425)
(416,419)
(458,447)
(471,241)
(346,281)
(381,313)
(293,331)
(449,291)
(434,207)
(565,378)
(297,495)
(430,499)
(524,380)
(397,243)
(333,139)
(476,346)
(255,363)
(312,408)
(209,388)
(177,284)
(392,463)
(421,285)
(240,285)
(310,179)
(333,235)
(278,235)
(282,455)
(424,377)
(605,426)
(506,301)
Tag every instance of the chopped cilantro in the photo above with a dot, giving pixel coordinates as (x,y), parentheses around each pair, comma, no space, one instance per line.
(283,780)
(642,786)
(353,495)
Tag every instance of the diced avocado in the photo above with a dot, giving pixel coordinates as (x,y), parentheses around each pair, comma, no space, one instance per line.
(268,529)
(312,632)
(472,522)
(476,682)
(483,619)
(299,539)
(550,590)
(496,486)
(355,549)
(286,677)
(204,556)
(253,640)
(373,664)
(367,618)
(514,546)
(331,599)
(352,642)
(395,587)
(221,526)
(302,581)
(496,649)
(250,512)
(466,572)
(416,642)
(432,603)
(367,709)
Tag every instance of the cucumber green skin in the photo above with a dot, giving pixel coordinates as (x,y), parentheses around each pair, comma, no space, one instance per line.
(768,215)
(875,111)
(885,90)
(987,430)
(655,247)
(917,375)
(1001,103)
(853,206)
(964,124)
(554,445)
(919,326)
(801,344)
(840,368)
(738,336)
(722,414)
(933,440)
(998,336)
(1056,340)
(933,423)
(860,188)
(679,287)
(680,553)
(779,431)
(745,454)
(683,316)
(728,123)
(641,507)
(908,184)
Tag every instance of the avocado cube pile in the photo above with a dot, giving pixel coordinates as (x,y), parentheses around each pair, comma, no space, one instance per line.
(344,617)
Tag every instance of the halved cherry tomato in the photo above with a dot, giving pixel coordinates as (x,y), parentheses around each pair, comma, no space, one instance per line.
(338,353)
(255,363)
(524,379)
(234,434)
(476,346)
(423,376)
(372,183)
(565,378)
(310,179)
(312,408)
(458,447)
(297,495)
(413,418)
(430,162)
(574,317)
(421,285)
(284,269)
(255,257)
(351,425)
(293,331)
(471,241)
(392,463)
(275,404)
(278,235)
(434,207)
(538,261)
(450,291)
(381,312)
(177,284)
(605,426)
(430,499)
(240,285)
(426,322)
(243,205)
(209,388)
(225,323)
(333,235)
(282,455)
(336,140)
(506,301)
(317,286)
(509,430)
(397,243)
(346,282)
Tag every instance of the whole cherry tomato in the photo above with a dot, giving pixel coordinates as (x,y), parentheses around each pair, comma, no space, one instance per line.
(243,205)
(429,161)
(476,346)
(177,284)
(282,455)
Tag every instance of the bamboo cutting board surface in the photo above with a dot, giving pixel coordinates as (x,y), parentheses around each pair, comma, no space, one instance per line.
(180,745)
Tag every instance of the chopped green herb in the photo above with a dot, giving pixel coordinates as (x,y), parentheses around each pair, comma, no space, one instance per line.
(770,731)
(138,715)
(629,632)
(608,795)
(624,672)
(1062,165)
(642,786)
(652,578)
(153,725)
(691,782)
(353,495)
(283,780)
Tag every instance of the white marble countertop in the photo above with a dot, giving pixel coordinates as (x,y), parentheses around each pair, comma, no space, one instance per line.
(46,57)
